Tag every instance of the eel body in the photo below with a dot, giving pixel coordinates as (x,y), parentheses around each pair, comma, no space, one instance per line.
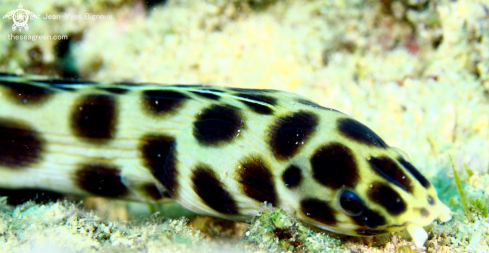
(217,151)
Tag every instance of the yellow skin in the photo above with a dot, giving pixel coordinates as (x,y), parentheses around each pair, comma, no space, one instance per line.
(419,212)
(217,151)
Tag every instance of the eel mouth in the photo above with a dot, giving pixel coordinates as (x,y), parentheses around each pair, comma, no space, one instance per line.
(445,214)
(417,233)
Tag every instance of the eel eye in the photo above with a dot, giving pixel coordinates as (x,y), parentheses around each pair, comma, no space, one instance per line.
(350,203)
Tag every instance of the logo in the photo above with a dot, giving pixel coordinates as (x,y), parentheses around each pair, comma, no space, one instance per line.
(20,18)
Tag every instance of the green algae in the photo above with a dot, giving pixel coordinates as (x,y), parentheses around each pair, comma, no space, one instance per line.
(459,186)
(74,229)
(480,206)
(477,205)
(276,231)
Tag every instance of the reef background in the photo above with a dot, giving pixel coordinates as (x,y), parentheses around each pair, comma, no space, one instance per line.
(415,71)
